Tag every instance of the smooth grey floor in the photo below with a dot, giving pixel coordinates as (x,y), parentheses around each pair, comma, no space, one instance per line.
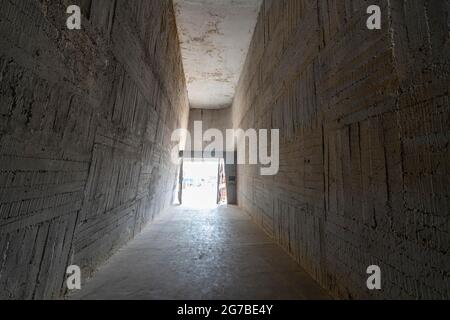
(201,254)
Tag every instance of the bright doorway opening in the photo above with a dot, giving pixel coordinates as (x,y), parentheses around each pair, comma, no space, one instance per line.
(202,187)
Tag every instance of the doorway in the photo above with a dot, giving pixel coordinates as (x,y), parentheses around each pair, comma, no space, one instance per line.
(200,185)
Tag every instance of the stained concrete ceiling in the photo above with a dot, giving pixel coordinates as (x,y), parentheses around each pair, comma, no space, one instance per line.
(215,36)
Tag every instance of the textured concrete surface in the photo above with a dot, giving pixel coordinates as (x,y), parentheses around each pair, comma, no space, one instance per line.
(214,35)
(85,123)
(201,254)
(365,142)
(211,119)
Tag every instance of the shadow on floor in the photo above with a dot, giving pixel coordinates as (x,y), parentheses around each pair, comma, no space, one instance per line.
(198,255)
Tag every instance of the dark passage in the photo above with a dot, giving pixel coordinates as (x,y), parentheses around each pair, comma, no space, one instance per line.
(87,171)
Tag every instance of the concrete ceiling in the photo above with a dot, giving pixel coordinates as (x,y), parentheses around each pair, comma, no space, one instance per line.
(215,36)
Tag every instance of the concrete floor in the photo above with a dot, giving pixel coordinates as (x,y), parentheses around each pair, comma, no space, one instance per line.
(201,254)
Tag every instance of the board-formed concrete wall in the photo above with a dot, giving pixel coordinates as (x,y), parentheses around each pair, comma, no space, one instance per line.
(86,118)
(219,119)
(364,123)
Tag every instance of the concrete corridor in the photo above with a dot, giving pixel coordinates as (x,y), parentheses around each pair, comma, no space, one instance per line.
(201,254)
(329,121)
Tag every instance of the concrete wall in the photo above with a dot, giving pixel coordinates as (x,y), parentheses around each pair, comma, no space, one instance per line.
(364,163)
(85,124)
(211,119)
